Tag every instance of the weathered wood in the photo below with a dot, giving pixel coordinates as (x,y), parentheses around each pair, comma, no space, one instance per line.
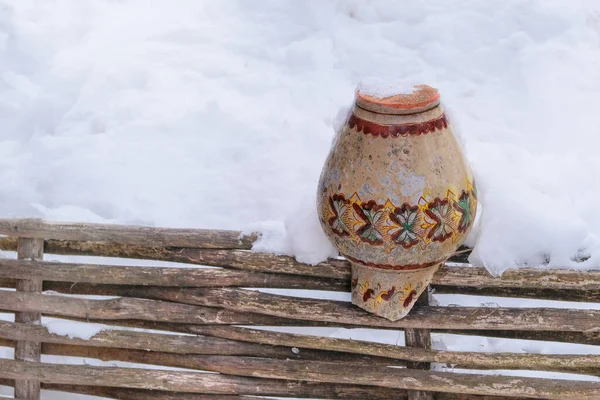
(240,259)
(188,361)
(587,296)
(589,364)
(397,378)
(132,394)
(248,386)
(138,394)
(528,319)
(402,378)
(160,276)
(124,308)
(179,344)
(29,351)
(213,277)
(518,278)
(227,317)
(457,396)
(420,339)
(259,343)
(246,301)
(125,234)
(455,276)
(191,382)
(591,338)
(8,283)
(366,392)
(220,317)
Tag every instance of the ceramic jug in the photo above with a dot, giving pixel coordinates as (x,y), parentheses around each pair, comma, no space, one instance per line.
(396,197)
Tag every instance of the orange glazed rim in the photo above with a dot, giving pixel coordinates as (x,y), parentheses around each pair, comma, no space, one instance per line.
(422,98)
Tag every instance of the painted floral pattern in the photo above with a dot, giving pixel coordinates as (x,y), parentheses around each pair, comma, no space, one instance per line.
(431,220)
(440,212)
(371,215)
(339,206)
(465,208)
(405,220)
(378,295)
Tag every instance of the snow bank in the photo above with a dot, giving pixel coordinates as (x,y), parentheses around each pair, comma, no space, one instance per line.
(385,87)
(75,330)
(220,114)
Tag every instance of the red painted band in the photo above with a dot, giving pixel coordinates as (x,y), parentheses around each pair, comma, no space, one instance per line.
(413,129)
(406,267)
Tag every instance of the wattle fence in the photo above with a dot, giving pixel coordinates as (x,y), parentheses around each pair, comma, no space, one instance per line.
(213,349)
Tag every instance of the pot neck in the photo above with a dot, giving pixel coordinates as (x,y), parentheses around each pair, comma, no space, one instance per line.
(396,119)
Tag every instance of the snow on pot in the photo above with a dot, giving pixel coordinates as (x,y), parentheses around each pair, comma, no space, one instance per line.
(396,196)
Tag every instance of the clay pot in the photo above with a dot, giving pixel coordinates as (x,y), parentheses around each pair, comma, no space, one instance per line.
(396,197)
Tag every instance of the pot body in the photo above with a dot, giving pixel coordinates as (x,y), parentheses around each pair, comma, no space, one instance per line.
(396,198)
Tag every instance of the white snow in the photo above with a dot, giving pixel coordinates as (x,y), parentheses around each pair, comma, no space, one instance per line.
(72,329)
(220,114)
(382,87)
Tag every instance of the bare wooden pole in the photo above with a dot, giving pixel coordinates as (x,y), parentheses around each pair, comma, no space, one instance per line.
(314,371)
(103,275)
(335,392)
(421,339)
(261,343)
(587,364)
(454,276)
(125,234)
(161,276)
(228,386)
(461,318)
(182,344)
(228,317)
(586,296)
(29,249)
(201,306)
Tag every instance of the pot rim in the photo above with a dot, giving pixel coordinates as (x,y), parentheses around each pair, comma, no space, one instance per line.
(422,99)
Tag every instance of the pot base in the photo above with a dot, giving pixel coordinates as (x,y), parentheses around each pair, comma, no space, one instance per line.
(389,294)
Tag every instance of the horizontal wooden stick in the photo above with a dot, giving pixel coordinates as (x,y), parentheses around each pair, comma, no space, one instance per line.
(368,392)
(160,276)
(189,361)
(455,276)
(528,319)
(125,234)
(183,384)
(139,394)
(133,394)
(586,296)
(407,378)
(179,344)
(69,274)
(518,278)
(326,372)
(132,309)
(591,338)
(246,301)
(259,343)
(70,287)
(232,318)
(478,360)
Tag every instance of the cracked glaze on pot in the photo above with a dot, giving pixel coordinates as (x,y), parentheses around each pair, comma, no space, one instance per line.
(396,198)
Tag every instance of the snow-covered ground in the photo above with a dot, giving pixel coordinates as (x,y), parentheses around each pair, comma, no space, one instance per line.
(219,114)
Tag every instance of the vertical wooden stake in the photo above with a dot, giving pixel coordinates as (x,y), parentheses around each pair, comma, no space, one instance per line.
(420,338)
(29,249)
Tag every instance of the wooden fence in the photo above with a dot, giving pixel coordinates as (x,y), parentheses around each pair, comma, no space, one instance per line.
(213,311)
